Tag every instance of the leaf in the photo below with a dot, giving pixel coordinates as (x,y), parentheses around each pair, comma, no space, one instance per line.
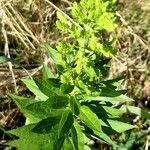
(113,111)
(105,111)
(75,106)
(118,126)
(22,103)
(105,137)
(121,98)
(105,21)
(89,118)
(45,126)
(48,108)
(47,73)
(136,110)
(110,95)
(90,71)
(59,143)
(31,85)
(53,53)
(65,123)
(29,140)
(4,59)
(113,83)
(49,87)
(68,145)
(77,137)
(66,88)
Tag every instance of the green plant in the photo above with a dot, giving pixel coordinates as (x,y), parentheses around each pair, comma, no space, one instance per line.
(77,103)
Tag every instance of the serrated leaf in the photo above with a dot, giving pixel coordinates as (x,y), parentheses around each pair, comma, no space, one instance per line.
(65,123)
(22,103)
(29,140)
(31,85)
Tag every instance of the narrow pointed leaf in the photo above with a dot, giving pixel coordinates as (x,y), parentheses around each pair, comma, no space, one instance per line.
(47,73)
(77,137)
(53,53)
(89,118)
(31,85)
(65,123)
(136,110)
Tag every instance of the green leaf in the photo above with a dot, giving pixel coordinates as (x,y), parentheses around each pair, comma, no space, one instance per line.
(65,123)
(53,54)
(105,111)
(113,82)
(121,98)
(136,110)
(45,126)
(52,107)
(22,103)
(29,140)
(68,144)
(113,111)
(47,73)
(77,137)
(110,95)
(4,59)
(31,85)
(106,22)
(116,125)
(49,87)
(66,88)
(89,118)
(75,106)
(59,143)
(105,137)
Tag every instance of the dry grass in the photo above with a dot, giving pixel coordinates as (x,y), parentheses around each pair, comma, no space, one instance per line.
(133,42)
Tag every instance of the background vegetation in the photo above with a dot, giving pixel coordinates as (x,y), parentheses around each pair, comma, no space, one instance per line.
(26,25)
